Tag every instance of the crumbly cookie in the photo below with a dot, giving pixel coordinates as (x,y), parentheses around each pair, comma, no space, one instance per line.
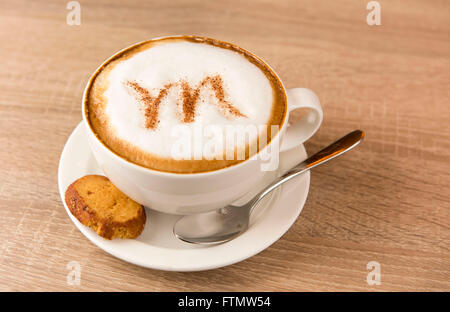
(99,204)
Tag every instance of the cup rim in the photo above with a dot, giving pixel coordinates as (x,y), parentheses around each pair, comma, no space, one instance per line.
(180,174)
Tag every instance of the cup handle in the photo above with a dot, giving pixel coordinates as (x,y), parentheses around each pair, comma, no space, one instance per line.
(303,129)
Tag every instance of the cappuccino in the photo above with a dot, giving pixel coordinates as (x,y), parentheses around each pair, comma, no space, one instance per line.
(148,101)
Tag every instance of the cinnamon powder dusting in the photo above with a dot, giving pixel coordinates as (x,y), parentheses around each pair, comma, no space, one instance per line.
(189,97)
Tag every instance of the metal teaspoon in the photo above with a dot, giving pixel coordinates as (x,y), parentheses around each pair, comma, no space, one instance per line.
(228,222)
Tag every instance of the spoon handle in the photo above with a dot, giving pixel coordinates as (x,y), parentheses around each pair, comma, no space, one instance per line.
(333,150)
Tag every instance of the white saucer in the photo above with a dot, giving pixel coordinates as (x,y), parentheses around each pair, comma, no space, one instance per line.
(157,248)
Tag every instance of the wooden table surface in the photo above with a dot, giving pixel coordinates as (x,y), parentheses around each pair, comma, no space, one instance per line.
(388,201)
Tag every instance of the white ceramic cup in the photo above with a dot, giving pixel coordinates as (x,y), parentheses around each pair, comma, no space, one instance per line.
(181,193)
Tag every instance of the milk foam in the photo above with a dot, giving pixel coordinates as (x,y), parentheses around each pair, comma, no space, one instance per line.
(246,88)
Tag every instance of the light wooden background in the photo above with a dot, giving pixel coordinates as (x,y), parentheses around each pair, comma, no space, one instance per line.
(387,201)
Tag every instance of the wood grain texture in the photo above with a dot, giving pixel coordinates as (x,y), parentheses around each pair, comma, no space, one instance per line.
(387,201)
